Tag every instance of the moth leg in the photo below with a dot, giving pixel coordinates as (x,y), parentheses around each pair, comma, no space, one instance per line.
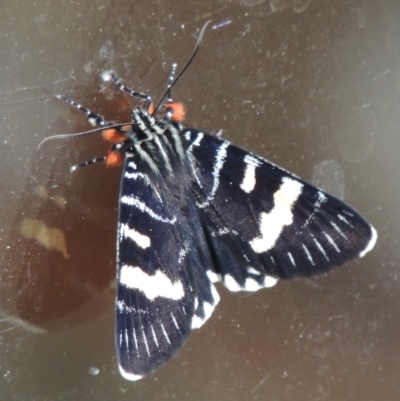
(131,92)
(96,120)
(171,77)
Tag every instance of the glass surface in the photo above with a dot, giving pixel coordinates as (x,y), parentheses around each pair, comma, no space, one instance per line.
(306,84)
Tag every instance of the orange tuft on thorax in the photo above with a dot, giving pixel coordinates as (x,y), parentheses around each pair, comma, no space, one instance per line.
(112,135)
(150,110)
(178,111)
(114,158)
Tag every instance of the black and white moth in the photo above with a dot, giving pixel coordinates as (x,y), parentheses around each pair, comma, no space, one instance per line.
(194,210)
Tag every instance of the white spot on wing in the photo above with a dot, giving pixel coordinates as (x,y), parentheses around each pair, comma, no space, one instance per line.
(218,164)
(135,176)
(215,296)
(291,259)
(269,281)
(127,375)
(182,255)
(250,284)
(318,204)
(196,142)
(371,243)
(145,343)
(132,164)
(133,201)
(322,250)
(213,277)
(121,306)
(165,333)
(175,322)
(340,217)
(126,338)
(321,197)
(252,270)
(152,286)
(249,179)
(272,223)
(208,309)
(332,242)
(308,254)
(339,230)
(140,239)
(154,336)
(197,322)
(231,284)
(136,344)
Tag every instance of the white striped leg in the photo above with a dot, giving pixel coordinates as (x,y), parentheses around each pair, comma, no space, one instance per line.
(94,119)
(131,92)
(87,162)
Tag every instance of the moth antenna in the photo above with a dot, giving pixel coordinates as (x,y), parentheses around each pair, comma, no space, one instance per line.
(170,86)
(92,131)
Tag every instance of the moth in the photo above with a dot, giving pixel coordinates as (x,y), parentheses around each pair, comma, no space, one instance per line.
(194,209)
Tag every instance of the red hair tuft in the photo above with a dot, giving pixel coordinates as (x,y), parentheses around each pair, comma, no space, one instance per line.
(114,158)
(113,136)
(178,111)
(150,110)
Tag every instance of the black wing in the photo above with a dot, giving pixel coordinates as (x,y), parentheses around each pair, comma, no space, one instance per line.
(227,215)
(163,290)
(264,223)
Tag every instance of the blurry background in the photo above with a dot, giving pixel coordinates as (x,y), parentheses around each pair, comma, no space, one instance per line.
(313,86)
